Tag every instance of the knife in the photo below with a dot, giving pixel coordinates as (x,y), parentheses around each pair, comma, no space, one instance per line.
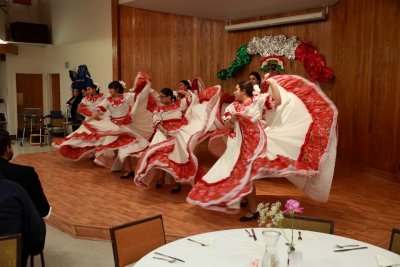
(254,235)
(202,244)
(158,253)
(348,249)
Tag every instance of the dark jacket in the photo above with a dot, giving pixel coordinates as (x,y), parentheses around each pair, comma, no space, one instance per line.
(19,215)
(29,180)
(74,102)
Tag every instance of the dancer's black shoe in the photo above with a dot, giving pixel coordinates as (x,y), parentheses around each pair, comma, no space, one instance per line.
(244,203)
(254,216)
(176,189)
(127,175)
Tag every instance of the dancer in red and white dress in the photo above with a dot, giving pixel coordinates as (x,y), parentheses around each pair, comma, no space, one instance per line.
(195,86)
(179,126)
(118,128)
(299,143)
(82,141)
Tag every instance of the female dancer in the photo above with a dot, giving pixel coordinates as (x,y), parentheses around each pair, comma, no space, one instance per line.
(117,129)
(82,141)
(300,144)
(255,80)
(184,85)
(168,118)
(195,86)
(179,127)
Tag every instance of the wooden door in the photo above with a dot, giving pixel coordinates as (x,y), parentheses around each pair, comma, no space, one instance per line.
(29,93)
(55,91)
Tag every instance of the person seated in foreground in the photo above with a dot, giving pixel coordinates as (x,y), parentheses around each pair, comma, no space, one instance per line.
(18,215)
(25,176)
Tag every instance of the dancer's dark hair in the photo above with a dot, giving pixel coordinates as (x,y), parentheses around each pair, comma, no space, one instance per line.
(247,87)
(257,75)
(168,92)
(117,86)
(186,83)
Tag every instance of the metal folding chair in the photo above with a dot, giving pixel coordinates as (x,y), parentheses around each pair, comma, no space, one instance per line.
(33,121)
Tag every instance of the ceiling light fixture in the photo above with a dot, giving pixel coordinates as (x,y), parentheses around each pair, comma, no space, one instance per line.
(320,15)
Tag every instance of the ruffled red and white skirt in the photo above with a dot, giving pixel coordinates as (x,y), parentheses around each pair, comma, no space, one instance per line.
(79,143)
(298,142)
(174,154)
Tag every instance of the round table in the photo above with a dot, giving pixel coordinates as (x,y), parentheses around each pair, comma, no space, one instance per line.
(235,247)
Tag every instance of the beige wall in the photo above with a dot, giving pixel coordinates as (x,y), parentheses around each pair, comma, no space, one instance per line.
(81,33)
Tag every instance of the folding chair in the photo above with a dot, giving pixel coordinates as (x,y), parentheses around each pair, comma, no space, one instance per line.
(10,251)
(33,122)
(41,259)
(55,125)
(133,240)
(395,241)
(309,224)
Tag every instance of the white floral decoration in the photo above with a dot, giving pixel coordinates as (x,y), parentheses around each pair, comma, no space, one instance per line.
(278,45)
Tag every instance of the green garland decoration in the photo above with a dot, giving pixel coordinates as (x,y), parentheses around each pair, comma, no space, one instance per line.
(243,58)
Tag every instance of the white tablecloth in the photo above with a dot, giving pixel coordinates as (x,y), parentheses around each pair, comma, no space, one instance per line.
(235,248)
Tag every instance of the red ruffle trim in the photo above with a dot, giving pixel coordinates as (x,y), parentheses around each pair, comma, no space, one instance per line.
(122,141)
(125,120)
(83,109)
(174,124)
(75,153)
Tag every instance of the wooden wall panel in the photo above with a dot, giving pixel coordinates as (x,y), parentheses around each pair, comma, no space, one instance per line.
(359,41)
(384,89)
(169,47)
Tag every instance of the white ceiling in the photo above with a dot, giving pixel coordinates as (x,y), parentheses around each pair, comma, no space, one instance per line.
(226,9)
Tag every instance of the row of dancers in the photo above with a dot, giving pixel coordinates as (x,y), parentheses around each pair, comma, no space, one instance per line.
(282,126)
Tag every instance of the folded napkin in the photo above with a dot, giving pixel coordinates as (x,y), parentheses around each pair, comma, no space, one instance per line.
(383,261)
(207,241)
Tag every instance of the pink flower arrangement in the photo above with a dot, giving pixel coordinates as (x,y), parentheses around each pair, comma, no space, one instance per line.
(292,206)
(271,215)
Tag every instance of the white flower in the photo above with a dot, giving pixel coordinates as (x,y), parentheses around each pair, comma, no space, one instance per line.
(123,84)
(270,215)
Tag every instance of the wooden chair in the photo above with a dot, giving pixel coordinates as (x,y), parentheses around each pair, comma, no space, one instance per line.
(133,240)
(10,251)
(395,241)
(309,224)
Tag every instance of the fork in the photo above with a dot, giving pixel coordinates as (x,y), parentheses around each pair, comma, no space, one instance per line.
(247,231)
(203,245)
(346,246)
(299,238)
(170,261)
(165,255)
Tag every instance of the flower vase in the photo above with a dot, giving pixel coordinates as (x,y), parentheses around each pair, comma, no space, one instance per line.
(270,257)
